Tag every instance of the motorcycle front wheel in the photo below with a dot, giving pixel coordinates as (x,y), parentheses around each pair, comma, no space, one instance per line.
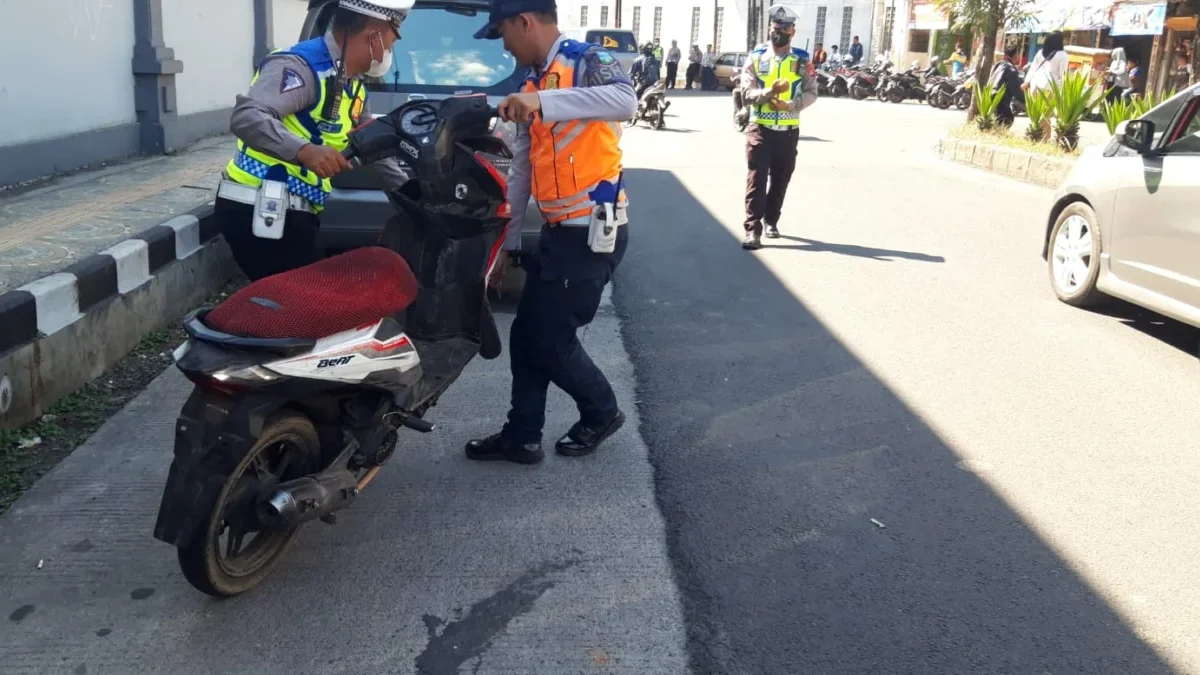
(963,100)
(896,96)
(288,448)
(659,120)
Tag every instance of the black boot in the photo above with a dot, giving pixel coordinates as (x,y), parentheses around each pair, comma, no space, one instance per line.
(581,440)
(496,447)
(770,231)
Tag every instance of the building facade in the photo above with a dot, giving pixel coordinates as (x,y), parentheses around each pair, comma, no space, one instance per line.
(131,77)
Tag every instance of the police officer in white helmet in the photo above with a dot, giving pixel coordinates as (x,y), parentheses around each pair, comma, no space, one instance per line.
(779,82)
(291,127)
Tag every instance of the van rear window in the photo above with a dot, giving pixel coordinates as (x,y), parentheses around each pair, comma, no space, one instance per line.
(613,40)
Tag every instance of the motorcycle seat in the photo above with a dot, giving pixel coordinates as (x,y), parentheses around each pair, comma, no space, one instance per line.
(340,293)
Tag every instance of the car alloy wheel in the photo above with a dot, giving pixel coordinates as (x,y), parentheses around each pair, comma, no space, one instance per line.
(1072,255)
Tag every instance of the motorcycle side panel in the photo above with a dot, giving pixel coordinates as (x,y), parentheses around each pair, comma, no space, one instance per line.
(353,356)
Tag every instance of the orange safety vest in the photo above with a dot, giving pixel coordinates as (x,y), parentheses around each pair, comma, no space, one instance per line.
(570,158)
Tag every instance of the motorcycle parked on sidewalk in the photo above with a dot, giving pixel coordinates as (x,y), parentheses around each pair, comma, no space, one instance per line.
(906,85)
(652,106)
(305,380)
(965,90)
(864,82)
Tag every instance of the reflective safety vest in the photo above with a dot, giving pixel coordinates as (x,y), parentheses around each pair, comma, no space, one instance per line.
(570,159)
(769,67)
(250,167)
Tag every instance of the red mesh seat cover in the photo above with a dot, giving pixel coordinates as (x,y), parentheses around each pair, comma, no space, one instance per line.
(321,299)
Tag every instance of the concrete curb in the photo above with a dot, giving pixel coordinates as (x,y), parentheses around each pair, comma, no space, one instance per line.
(60,332)
(1019,164)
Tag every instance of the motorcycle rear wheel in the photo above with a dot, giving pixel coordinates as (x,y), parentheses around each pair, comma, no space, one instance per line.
(895,96)
(963,101)
(292,443)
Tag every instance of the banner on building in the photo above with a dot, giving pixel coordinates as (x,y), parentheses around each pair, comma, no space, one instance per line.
(1052,15)
(926,15)
(1139,19)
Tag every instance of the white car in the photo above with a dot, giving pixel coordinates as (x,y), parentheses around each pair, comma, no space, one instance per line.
(1126,221)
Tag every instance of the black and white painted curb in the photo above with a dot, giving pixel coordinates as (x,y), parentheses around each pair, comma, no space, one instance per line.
(62,301)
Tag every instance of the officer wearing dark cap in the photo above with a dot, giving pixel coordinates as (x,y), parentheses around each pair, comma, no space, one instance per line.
(566,155)
(779,83)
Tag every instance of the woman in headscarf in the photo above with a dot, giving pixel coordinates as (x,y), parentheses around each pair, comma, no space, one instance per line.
(1048,66)
(1116,78)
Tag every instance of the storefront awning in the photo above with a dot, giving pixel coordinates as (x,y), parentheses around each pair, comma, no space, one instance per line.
(1131,18)
(1052,15)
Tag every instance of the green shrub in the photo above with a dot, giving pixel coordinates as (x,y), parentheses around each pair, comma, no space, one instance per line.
(986,103)
(1070,101)
(1037,107)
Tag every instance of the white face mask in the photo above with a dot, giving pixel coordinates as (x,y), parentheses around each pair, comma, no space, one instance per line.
(380,68)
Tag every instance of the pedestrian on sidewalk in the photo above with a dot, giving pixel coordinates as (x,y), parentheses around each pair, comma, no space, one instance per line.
(291,127)
(581,87)
(693,69)
(708,74)
(673,58)
(779,83)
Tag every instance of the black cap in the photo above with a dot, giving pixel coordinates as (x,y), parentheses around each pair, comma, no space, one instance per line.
(499,10)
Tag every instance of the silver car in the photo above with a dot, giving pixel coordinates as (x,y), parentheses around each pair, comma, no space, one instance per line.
(1126,221)
(437,57)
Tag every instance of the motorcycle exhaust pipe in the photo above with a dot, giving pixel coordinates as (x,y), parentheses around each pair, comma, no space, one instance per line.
(306,499)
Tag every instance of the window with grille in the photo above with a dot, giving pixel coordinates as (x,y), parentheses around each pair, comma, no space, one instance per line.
(637,23)
(847,19)
(889,25)
(658,23)
(583,16)
(918,41)
(720,26)
(695,26)
(604,17)
(819,34)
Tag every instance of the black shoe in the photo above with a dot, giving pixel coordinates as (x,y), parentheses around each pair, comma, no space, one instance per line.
(752,242)
(771,232)
(495,448)
(581,440)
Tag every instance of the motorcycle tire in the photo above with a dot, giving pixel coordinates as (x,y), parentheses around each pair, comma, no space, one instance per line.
(858,93)
(963,101)
(632,120)
(895,96)
(660,120)
(200,559)
(881,94)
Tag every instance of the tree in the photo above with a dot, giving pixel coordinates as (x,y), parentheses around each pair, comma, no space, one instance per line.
(986,18)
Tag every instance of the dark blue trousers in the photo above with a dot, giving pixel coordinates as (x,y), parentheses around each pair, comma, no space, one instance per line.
(563,283)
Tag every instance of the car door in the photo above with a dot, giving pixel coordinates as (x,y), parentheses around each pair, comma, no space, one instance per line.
(1155,236)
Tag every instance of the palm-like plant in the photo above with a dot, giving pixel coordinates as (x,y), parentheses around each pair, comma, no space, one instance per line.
(1070,101)
(986,103)
(1037,107)
(1116,112)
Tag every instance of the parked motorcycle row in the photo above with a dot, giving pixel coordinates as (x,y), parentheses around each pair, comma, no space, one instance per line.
(880,81)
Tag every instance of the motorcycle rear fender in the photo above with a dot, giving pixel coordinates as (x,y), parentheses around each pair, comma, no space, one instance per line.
(212,434)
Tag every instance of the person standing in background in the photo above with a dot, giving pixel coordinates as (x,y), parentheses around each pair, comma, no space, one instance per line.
(693,69)
(708,75)
(673,58)
(1050,65)
(833,57)
(658,50)
(958,59)
(856,51)
(819,56)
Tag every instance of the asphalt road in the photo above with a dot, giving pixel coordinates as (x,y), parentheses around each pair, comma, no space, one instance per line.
(880,444)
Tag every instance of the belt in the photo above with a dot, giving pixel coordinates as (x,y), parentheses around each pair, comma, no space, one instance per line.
(771,127)
(244,194)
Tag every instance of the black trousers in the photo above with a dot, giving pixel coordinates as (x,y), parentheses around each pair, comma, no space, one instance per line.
(259,257)
(770,158)
(693,75)
(563,284)
(672,73)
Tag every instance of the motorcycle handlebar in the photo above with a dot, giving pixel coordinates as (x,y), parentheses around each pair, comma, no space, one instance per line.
(352,156)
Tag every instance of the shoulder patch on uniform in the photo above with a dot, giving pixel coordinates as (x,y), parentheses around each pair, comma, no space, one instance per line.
(603,56)
(290,81)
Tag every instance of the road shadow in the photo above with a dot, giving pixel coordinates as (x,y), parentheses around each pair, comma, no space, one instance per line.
(1177,334)
(815,522)
(813,139)
(882,254)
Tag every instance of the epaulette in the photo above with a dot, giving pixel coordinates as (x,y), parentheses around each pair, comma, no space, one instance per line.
(800,53)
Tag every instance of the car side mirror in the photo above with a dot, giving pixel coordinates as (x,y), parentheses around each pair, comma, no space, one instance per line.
(1137,135)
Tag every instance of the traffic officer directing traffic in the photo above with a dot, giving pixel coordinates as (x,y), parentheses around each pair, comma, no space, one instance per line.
(565,154)
(779,83)
(292,126)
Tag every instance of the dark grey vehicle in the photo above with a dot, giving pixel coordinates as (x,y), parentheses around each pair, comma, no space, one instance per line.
(436,57)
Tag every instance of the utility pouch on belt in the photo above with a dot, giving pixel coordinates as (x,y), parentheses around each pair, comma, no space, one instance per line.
(602,230)
(270,210)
